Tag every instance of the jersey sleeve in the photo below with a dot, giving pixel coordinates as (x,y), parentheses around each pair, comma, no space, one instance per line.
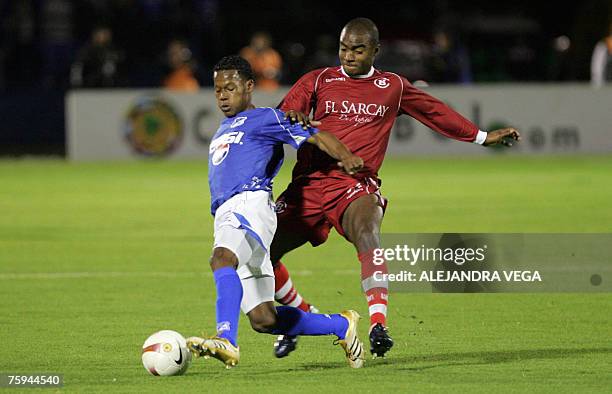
(434,114)
(278,129)
(301,96)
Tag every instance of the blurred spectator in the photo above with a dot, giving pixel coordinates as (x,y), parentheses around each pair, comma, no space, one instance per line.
(326,53)
(559,61)
(450,59)
(57,38)
(601,61)
(38,37)
(293,54)
(19,53)
(265,61)
(180,61)
(521,59)
(97,63)
(406,57)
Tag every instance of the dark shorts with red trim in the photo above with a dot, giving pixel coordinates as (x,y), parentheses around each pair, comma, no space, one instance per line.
(311,206)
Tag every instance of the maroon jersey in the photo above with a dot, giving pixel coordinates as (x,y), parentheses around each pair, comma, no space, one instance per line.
(361,112)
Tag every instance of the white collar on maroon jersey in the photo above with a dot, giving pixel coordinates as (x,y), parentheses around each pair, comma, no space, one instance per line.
(368,75)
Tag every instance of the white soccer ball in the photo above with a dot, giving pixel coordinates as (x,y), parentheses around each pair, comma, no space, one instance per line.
(165,353)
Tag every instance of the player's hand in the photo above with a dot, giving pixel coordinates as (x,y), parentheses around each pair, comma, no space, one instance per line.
(303,119)
(352,164)
(502,136)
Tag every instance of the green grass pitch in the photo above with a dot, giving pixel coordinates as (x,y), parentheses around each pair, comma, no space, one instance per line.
(95,257)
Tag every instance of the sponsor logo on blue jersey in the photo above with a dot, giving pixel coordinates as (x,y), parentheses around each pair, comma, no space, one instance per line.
(246,152)
(220,146)
(239,121)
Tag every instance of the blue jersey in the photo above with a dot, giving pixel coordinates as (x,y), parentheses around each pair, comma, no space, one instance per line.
(246,152)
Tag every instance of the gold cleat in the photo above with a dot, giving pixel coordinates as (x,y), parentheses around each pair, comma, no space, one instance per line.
(219,348)
(195,346)
(351,344)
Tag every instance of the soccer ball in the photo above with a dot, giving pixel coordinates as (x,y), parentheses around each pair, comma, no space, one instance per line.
(165,353)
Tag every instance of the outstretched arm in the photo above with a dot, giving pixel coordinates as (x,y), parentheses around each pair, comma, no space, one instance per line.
(331,145)
(439,117)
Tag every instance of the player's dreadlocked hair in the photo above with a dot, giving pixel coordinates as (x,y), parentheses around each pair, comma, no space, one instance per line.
(237,63)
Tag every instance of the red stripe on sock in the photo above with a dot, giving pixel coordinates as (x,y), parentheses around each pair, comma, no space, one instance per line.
(378,318)
(281,276)
(371,262)
(289,297)
(378,295)
(304,306)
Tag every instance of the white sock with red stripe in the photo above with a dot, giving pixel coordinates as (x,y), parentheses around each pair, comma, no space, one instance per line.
(376,292)
(284,292)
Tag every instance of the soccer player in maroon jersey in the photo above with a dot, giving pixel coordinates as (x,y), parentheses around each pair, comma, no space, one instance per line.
(358,104)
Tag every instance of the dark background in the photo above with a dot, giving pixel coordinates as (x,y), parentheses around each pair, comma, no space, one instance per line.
(514,41)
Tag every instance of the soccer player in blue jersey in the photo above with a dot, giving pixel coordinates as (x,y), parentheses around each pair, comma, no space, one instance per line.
(245,154)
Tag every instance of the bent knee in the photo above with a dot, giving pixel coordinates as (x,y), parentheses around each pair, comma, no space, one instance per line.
(264,323)
(223,257)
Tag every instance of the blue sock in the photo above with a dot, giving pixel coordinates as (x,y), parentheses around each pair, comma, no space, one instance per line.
(229,296)
(294,321)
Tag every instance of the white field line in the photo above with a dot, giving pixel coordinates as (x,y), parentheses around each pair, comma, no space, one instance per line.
(147,274)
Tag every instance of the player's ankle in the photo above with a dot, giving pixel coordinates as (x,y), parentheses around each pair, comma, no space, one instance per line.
(378,318)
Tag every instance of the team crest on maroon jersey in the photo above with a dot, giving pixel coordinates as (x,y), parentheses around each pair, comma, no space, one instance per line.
(280,206)
(382,82)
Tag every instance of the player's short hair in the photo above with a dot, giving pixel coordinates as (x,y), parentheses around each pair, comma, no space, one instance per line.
(235,62)
(364,26)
